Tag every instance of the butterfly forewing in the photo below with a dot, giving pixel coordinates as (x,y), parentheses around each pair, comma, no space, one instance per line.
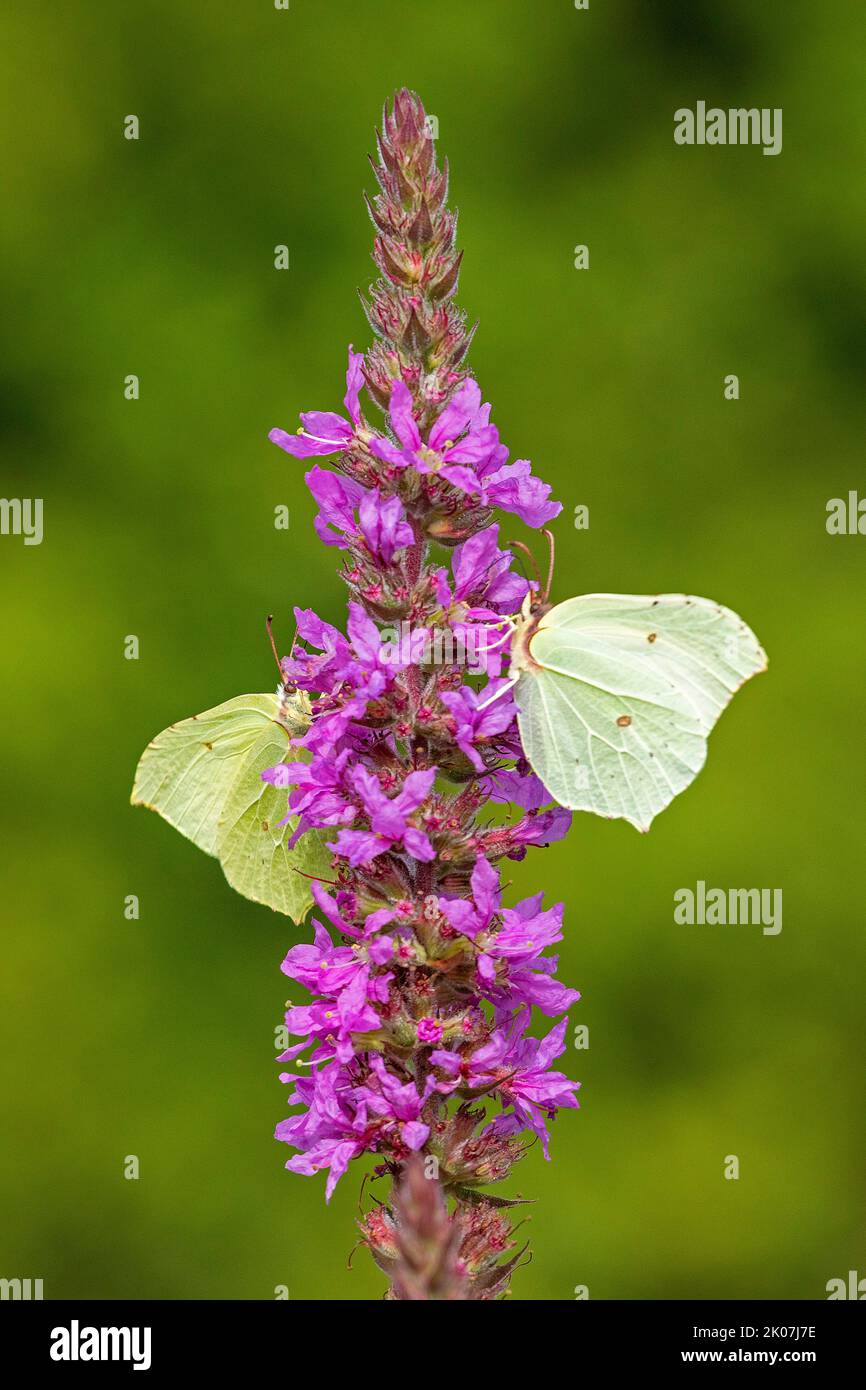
(186,772)
(705,651)
(203,776)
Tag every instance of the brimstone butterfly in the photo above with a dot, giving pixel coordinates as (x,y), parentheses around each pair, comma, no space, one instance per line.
(203,776)
(617,693)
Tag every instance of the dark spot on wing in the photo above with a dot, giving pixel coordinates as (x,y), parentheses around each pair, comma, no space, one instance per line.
(209,746)
(624,721)
(265,825)
(651,636)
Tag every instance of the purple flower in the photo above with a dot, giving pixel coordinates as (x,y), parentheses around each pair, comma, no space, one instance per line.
(526,930)
(472,724)
(334,1021)
(337,498)
(312,672)
(483,577)
(332,1130)
(513,488)
(350,672)
(471,917)
(322,968)
(318,789)
(517,1069)
(464,448)
(399,1102)
(525,1082)
(523,789)
(536,828)
(503,964)
(460,435)
(508,941)
(484,589)
(381,524)
(389,817)
(325,432)
(533,987)
(384,526)
(429,1030)
(375,662)
(373,921)
(542,827)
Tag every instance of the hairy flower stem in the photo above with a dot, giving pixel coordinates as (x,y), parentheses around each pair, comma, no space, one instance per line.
(427,1242)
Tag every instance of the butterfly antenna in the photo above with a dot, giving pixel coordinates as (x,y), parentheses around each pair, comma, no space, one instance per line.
(316,878)
(523,570)
(270,627)
(551,544)
(518,545)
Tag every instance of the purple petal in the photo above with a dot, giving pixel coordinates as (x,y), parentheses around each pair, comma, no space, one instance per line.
(380,950)
(472,560)
(552,1046)
(462,478)
(485,887)
(457,415)
(414,1134)
(363,634)
(384,526)
(401,417)
(462,916)
(415,789)
(302,446)
(358,846)
(448,1061)
(418,845)
(514,489)
(376,920)
(389,453)
(476,448)
(342,1154)
(354,382)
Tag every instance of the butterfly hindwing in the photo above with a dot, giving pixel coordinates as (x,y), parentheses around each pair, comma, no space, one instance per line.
(589,762)
(253,846)
(621,693)
(186,772)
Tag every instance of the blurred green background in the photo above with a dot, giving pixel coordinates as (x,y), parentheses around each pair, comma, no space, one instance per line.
(153,1037)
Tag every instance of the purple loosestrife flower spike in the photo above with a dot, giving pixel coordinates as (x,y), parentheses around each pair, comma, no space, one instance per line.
(422,984)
